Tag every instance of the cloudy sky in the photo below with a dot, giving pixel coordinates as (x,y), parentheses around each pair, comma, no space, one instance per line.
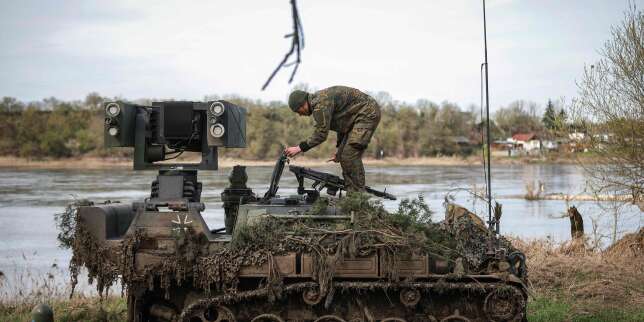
(412,49)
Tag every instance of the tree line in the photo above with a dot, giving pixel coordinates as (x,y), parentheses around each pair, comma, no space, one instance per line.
(58,129)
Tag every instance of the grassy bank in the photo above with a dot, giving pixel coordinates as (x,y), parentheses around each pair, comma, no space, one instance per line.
(89,163)
(92,163)
(543,309)
(567,283)
(71,310)
(571,283)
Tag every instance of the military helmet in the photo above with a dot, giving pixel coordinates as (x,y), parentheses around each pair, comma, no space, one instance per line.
(42,313)
(296,99)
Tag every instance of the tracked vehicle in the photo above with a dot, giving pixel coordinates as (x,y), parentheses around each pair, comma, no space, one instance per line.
(303,257)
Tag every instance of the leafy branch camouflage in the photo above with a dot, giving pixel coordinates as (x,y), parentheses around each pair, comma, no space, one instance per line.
(403,233)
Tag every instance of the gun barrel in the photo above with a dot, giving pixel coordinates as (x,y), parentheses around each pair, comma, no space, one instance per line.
(381,194)
(332,182)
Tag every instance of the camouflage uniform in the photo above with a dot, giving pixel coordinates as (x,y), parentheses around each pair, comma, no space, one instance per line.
(354,115)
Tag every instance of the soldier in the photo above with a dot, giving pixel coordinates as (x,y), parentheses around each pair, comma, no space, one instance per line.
(352,114)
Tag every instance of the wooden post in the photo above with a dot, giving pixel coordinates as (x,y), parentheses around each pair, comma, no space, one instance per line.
(576,223)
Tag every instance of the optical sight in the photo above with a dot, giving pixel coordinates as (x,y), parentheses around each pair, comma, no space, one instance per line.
(165,130)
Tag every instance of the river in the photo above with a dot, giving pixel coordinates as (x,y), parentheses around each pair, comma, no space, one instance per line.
(30,198)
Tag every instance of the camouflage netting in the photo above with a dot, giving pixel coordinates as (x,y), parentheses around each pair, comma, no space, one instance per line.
(407,232)
(103,267)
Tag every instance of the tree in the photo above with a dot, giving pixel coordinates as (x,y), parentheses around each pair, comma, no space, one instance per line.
(562,117)
(29,132)
(549,117)
(518,117)
(10,104)
(611,105)
(94,101)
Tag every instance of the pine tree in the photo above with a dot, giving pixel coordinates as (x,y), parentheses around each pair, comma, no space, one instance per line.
(562,120)
(549,117)
(563,116)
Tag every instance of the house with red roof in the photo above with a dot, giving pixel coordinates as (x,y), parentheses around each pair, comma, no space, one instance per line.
(528,142)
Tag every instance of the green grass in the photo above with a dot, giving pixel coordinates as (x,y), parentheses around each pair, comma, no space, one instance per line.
(78,309)
(543,309)
(611,315)
(546,310)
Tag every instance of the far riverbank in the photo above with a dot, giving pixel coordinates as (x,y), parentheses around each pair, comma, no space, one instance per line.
(90,163)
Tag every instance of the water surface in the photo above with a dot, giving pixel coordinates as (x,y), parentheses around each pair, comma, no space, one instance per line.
(30,198)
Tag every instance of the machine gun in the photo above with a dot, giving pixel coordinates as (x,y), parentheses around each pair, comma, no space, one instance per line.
(332,183)
(275,178)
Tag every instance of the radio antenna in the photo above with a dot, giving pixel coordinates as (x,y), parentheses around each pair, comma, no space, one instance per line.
(491,222)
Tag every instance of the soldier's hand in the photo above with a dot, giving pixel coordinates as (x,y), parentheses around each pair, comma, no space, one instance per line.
(292,151)
(334,158)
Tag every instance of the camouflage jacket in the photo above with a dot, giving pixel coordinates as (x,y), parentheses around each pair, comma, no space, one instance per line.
(339,109)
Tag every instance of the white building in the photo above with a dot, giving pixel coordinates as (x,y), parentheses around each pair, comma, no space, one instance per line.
(531,143)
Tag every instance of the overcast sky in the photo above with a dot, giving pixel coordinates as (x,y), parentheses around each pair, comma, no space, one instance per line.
(411,49)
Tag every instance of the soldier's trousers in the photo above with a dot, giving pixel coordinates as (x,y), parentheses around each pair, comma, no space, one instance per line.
(352,168)
(350,153)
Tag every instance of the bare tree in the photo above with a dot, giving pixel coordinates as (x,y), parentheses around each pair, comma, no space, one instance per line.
(518,117)
(611,102)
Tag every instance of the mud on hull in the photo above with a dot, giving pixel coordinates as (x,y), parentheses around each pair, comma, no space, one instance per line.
(464,299)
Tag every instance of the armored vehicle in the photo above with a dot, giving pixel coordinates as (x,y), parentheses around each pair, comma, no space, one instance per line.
(303,257)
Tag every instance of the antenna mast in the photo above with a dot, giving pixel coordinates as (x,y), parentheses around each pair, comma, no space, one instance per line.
(488,176)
